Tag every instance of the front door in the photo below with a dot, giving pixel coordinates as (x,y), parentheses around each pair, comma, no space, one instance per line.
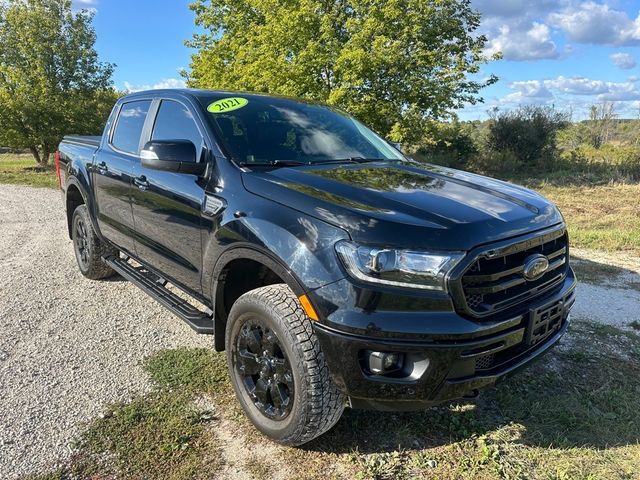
(113,173)
(167,206)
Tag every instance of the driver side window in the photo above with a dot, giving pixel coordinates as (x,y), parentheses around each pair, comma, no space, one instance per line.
(175,122)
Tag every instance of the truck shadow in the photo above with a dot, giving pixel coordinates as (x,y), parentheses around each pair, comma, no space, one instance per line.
(583,394)
(115,279)
(604,274)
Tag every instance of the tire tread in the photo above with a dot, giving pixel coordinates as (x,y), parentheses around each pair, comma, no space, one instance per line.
(97,268)
(323,403)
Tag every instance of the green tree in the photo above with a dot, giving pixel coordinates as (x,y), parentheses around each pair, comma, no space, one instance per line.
(394,64)
(51,81)
(602,123)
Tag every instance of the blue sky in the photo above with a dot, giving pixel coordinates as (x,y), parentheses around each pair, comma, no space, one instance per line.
(566,53)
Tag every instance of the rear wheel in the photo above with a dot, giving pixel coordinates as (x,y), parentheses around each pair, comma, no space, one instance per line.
(89,249)
(277,368)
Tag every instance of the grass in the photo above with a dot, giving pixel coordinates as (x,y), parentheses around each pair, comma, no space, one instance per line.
(195,370)
(163,434)
(600,217)
(573,415)
(23,170)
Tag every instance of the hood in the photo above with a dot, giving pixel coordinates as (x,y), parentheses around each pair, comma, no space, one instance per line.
(402,205)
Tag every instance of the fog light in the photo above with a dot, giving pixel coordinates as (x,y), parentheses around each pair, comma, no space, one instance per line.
(383,363)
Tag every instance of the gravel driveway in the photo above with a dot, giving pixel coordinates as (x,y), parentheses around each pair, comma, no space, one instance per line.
(68,345)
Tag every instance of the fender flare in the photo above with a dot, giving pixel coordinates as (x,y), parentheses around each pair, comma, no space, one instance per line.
(250,252)
(72,180)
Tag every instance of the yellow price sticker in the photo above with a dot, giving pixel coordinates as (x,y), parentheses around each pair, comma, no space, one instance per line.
(225,105)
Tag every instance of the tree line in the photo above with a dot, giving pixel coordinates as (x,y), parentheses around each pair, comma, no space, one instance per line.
(394,65)
(402,67)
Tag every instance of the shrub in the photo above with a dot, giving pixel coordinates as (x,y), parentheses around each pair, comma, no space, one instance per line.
(618,163)
(497,164)
(451,144)
(529,133)
(601,124)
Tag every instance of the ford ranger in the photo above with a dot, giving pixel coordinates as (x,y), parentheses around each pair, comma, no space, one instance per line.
(332,269)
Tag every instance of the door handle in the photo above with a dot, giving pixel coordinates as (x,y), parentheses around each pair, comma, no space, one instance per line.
(141,182)
(102,168)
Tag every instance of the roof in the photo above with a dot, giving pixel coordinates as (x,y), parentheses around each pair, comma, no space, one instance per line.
(204,93)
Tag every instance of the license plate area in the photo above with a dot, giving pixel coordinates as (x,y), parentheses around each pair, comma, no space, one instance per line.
(543,321)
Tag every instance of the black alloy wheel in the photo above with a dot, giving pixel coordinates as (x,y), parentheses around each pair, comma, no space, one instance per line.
(88,248)
(265,370)
(277,368)
(81,242)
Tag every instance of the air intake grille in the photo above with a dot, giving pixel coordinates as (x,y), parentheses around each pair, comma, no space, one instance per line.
(485,362)
(496,279)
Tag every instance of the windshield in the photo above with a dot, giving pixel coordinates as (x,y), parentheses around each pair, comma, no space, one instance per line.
(263,130)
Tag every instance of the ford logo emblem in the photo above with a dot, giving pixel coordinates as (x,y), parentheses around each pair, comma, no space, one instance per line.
(534,267)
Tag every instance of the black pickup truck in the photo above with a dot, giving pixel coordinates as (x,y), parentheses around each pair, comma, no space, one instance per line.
(332,269)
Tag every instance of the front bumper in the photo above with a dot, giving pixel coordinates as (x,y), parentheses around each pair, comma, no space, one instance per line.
(441,367)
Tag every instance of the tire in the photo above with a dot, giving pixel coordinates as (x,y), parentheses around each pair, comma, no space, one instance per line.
(88,248)
(301,402)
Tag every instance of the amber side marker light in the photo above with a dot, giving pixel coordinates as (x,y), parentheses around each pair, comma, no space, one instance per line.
(306,304)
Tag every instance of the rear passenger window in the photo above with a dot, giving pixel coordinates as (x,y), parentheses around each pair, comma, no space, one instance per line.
(126,136)
(175,122)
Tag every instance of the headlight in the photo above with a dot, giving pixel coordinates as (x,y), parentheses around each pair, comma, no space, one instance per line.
(401,268)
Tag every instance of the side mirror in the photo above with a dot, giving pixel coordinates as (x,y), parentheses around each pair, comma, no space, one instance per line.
(172,156)
(396,145)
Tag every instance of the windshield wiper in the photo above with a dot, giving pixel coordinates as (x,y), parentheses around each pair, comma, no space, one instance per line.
(274,163)
(298,163)
(349,160)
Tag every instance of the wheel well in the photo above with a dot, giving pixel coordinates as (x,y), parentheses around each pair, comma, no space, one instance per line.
(237,278)
(74,200)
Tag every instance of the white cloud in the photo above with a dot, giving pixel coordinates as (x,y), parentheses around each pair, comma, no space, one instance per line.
(577,85)
(623,60)
(600,90)
(576,94)
(85,6)
(164,83)
(528,91)
(530,29)
(522,41)
(596,23)
(517,28)
(620,92)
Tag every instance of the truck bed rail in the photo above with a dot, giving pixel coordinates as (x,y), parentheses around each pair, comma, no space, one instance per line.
(93,141)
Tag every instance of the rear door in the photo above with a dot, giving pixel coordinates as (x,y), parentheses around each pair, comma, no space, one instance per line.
(113,173)
(167,206)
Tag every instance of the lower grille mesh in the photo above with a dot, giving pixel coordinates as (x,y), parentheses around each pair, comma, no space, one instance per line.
(473,300)
(485,362)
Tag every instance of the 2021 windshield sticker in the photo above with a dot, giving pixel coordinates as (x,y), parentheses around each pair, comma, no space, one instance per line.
(227,104)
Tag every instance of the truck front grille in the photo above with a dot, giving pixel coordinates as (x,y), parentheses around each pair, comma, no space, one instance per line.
(495,279)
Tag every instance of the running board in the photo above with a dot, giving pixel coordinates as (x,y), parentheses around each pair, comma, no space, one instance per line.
(154,286)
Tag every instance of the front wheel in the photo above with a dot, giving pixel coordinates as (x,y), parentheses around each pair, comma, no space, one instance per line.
(89,249)
(277,368)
